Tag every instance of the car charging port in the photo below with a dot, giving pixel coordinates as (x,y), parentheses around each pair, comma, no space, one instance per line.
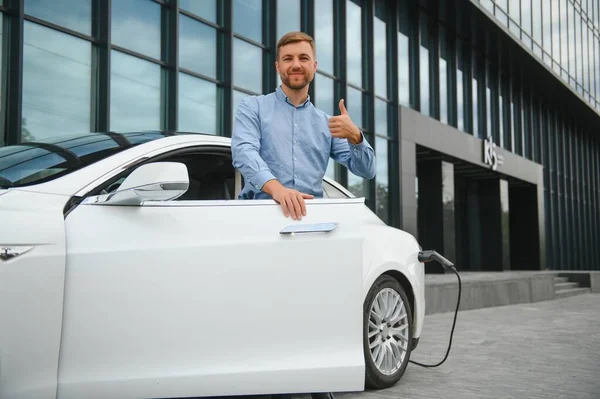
(429,256)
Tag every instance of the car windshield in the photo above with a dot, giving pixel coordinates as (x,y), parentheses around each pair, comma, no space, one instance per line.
(38,162)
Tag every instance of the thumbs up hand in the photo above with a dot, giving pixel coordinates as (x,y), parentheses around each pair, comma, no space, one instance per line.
(341,126)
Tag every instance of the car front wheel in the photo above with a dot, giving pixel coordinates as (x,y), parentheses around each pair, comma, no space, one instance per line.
(387,333)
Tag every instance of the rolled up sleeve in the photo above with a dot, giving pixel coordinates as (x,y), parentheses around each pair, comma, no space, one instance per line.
(359,158)
(245,145)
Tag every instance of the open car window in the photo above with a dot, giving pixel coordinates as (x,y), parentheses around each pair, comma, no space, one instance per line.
(211,175)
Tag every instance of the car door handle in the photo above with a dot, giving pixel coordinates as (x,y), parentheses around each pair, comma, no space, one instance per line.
(309,228)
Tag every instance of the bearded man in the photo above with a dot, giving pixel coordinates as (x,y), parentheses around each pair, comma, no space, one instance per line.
(282,144)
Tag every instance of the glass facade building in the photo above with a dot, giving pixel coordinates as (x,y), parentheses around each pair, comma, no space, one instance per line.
(484,114)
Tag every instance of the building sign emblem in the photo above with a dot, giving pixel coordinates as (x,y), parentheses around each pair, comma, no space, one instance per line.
(490,157)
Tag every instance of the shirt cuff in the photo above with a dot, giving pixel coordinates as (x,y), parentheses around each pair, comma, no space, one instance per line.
(260,178)
(360,147)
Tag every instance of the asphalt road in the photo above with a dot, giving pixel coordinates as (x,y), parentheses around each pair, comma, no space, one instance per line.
(537,350)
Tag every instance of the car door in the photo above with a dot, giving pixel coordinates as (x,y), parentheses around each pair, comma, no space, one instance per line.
(32,267)
(186,298)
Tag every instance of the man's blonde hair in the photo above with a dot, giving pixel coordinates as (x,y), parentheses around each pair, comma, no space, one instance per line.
(295,37)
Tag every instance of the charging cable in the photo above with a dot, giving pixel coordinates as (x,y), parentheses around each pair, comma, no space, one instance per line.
(428,256)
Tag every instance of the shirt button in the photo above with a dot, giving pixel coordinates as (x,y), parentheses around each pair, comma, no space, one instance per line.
(295,124)
(295,159)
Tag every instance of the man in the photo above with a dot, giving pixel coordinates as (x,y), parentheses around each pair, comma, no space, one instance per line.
(281,143)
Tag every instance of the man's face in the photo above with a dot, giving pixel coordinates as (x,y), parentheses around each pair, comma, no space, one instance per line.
(296,65)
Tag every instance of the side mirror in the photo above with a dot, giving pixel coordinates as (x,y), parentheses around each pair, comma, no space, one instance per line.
(160,181)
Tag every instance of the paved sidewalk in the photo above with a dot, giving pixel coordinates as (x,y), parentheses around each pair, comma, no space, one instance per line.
(547,349)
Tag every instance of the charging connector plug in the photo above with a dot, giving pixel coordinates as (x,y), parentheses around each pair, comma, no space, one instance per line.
(429,255)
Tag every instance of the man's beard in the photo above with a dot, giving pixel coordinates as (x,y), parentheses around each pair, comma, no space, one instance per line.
(296,86)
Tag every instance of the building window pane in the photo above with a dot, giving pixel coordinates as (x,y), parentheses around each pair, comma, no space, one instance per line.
(514,12)
(324,94)
(1,63)
(443,65)
(488,4)
(197,47)
(460,107)
(134,93)
(206,9)
(403,70)
(197,105)
(354,106)
(354,43)
(288,16)
(424,66)
(247,66)
(247,19)
(381,117)
(526,16)
(475,90)
(380,57)
(382,180)
(564,36)
(547,27)
(460,81)
(238,96)
(56,83)
(536,12)
(324,88)
(72,14)
(135,25)
(324,35)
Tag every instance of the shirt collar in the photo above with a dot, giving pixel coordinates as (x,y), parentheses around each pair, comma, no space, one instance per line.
(281,95)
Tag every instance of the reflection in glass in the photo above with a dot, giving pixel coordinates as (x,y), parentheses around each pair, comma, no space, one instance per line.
(288,16)
(354,106)
(247,66)
(247,19)
(380,52)
(403,70)
(197,105)
(324,35)
(56,83)
(382,183)
(134,93)
(135,25)
(197,46)
(381,117)
(354,43)
(206,9)
(536,10)
(72,14)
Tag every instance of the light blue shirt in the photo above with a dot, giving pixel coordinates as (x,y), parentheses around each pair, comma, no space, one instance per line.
(273,139)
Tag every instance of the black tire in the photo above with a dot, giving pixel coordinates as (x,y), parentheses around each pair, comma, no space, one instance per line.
(374,377)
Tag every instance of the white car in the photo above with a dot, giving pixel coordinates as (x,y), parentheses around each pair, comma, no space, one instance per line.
(129,269)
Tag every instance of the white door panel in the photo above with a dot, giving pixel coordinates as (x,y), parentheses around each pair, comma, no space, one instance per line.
(209,299)
(31,294)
